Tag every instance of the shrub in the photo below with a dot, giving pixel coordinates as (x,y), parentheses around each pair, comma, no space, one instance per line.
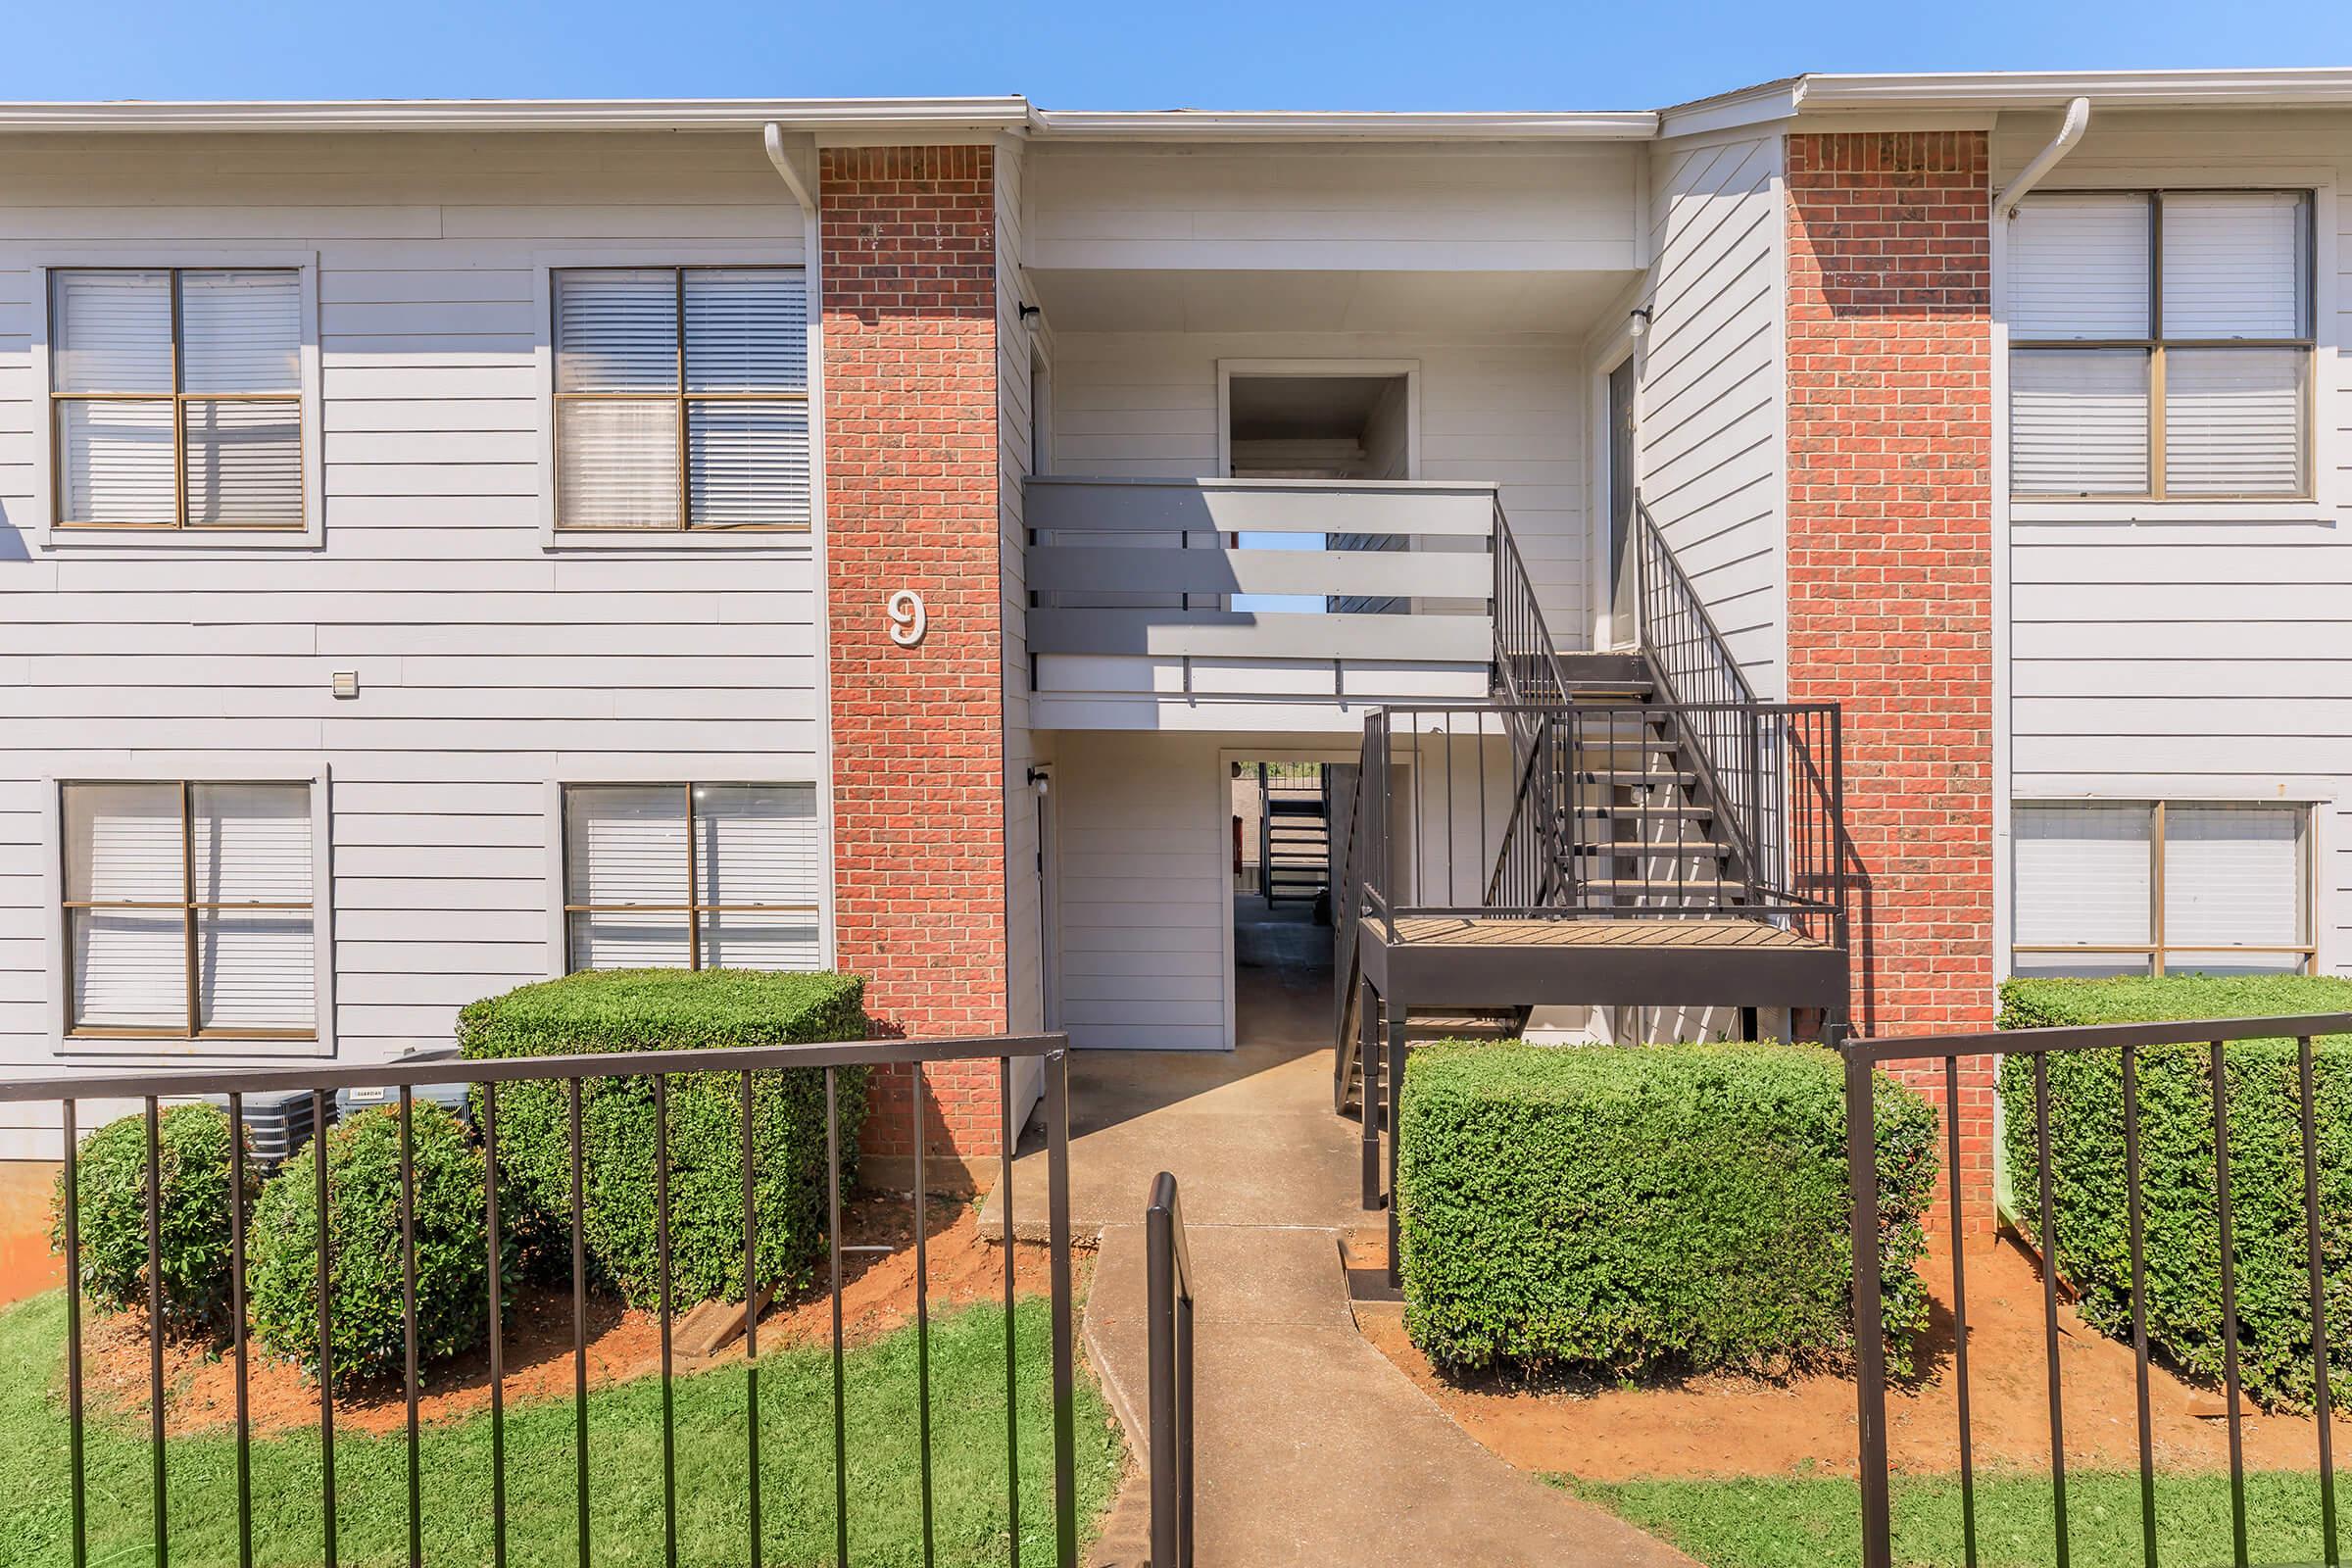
(1620,1210)
(192,1229)
(674,1010)
(363,1251)
(2181,1217)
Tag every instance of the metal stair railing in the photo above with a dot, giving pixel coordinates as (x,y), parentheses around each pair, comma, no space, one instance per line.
(1700,679)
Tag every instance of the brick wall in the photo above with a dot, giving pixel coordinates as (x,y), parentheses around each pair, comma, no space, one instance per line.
(909,242)
(1889,562)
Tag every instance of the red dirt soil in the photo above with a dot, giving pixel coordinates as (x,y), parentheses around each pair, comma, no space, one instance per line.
(877,1296)
(1721,1425)
(27,1266)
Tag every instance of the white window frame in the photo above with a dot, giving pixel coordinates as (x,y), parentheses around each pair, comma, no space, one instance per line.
(45,532)
(559,869)
(210,1045)
(544,264)
(2315,809)
(1410,369)
(2319,504)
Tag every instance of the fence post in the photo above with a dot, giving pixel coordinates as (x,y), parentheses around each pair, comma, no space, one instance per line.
(1870,1326)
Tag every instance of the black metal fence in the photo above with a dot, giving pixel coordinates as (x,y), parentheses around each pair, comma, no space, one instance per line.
(1168,1282)
(2036,1046)
(660,1067)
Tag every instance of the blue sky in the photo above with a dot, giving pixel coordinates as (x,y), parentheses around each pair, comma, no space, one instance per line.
(1200,53)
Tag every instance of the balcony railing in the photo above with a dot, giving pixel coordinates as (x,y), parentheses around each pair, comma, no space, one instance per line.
(1168,569)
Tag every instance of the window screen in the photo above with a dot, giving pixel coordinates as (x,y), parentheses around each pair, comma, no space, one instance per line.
(176,397)
(2156,887)
(689,876)
(188,910)
(2161,344)
(681,399)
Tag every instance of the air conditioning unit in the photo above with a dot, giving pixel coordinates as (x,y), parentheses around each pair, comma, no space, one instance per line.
(277,1121)
(449,1097)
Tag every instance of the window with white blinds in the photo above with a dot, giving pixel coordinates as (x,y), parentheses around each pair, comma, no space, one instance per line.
(190,909)
(681,399)
(2161,344)
(2108,887)
(691,877)
(176,397)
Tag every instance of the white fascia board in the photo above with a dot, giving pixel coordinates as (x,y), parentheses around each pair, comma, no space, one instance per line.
(524,114)
(1189,125)
(1765,104)
(2316,88)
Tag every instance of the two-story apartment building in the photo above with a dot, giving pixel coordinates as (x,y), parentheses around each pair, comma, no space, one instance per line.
(446,544)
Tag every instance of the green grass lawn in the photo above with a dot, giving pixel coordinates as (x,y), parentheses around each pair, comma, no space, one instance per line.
(796,1393)
(1815,1523)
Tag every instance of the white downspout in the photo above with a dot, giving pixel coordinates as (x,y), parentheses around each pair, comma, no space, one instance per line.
(773,139)
(2070,132)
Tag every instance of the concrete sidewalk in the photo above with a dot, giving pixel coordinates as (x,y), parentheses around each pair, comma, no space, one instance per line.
(1310,1447)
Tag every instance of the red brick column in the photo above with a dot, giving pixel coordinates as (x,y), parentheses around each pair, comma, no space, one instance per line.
(909,243)
(1890,563)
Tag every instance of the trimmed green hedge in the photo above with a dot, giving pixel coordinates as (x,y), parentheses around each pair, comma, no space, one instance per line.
(2180,1214)
(1622,1209)
(674,1010)
(192,1145)
(364,1252)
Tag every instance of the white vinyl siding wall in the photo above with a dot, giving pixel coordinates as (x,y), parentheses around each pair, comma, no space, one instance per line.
(488,664)
(1711,455)
(2191,650)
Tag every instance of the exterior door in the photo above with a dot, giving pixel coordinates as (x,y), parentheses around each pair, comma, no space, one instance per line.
(1618,491)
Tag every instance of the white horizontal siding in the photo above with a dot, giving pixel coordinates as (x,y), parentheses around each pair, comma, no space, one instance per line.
(2193,651)
(1144,898)
(1340,207)
(1710,461)
(487,666)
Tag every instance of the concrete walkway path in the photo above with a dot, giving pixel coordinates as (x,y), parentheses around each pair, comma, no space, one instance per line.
(1310,1447)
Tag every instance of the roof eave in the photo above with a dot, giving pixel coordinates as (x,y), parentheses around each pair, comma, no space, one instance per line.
(1198,125)
(540,115)
(2314,87)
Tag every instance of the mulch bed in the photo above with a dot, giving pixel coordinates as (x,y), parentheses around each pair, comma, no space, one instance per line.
(1720,1424)
(877,1299)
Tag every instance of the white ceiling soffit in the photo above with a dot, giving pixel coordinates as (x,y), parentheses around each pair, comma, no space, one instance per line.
(1424,303)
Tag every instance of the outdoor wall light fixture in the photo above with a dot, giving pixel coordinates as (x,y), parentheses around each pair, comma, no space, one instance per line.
(1029,313)
(1639,326)
(1038,779)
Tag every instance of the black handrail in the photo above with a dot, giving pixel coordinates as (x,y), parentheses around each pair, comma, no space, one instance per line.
(1597,826)
(1169,1279)
(1693,664)
(1527,662)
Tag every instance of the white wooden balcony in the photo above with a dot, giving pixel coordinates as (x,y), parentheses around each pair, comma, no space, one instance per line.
(1243,603)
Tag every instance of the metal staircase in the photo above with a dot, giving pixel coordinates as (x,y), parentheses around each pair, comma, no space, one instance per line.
(1293,825)
(1665,837)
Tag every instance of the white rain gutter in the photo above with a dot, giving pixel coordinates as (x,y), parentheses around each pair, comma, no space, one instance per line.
(2070,132)
(773,139)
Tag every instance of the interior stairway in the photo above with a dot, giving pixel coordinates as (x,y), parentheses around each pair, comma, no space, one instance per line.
(1298,845)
